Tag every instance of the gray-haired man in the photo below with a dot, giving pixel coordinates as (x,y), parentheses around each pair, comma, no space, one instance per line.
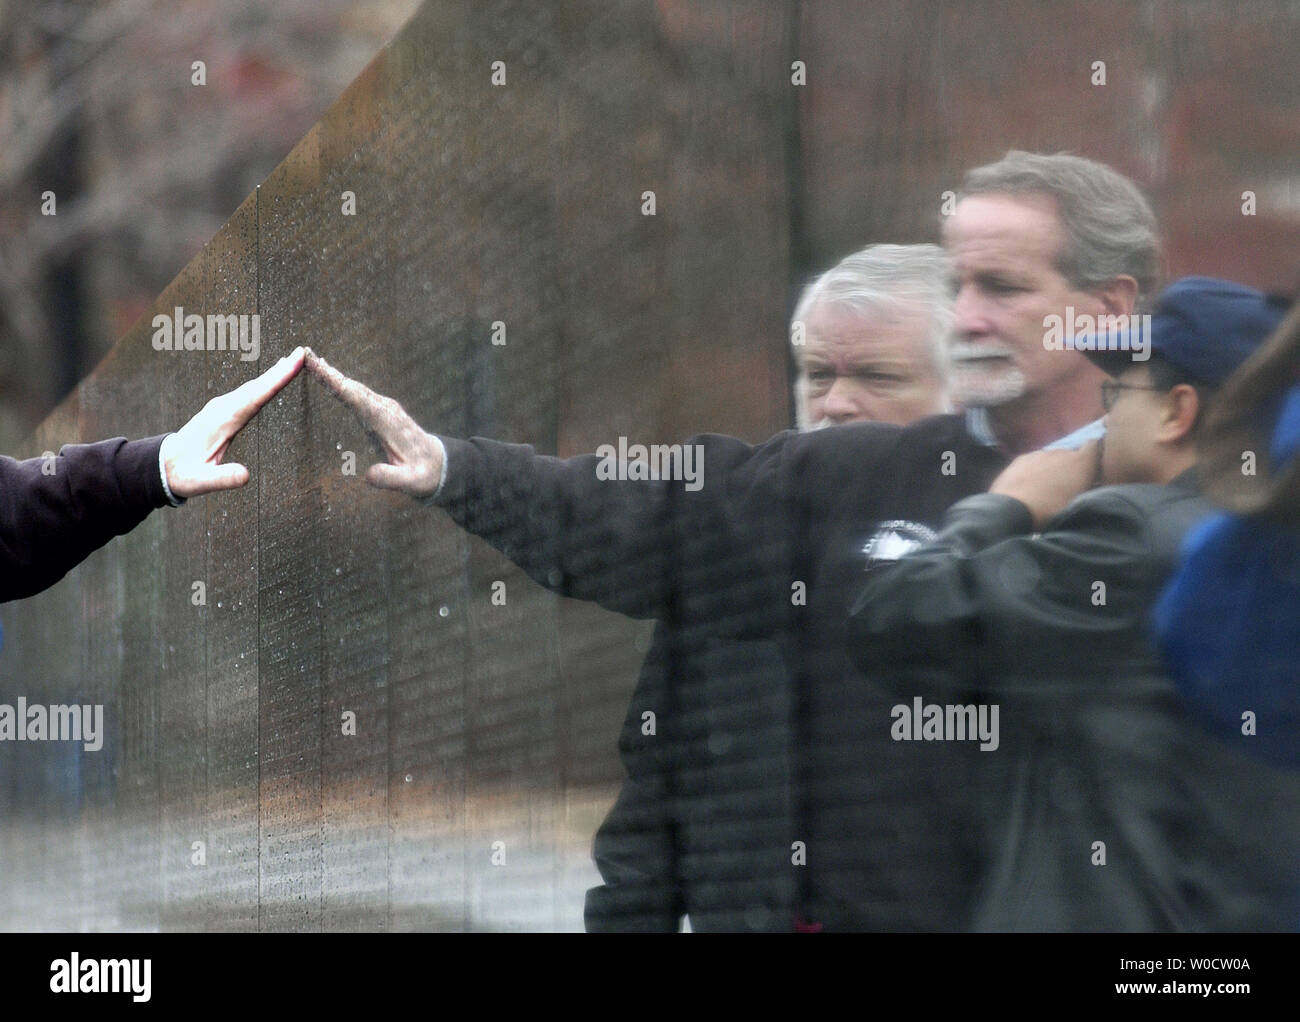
(868,336)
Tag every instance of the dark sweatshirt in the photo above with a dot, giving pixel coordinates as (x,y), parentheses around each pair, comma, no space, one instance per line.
(797,807)
(55,512)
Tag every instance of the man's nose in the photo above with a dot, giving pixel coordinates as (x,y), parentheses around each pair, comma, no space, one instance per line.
(969,313)
(839,405)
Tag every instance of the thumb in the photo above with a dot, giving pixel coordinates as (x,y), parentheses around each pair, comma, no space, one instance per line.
(388,477)
(222,477)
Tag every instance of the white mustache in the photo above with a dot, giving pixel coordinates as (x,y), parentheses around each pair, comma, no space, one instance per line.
(967,351)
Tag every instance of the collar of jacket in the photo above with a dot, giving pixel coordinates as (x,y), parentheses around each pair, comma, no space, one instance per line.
(1188,479)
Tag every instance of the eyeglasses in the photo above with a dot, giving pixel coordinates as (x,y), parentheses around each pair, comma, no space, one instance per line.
(1110,390)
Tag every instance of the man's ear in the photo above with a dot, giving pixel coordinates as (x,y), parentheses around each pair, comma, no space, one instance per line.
(1119,296)
(1178,417)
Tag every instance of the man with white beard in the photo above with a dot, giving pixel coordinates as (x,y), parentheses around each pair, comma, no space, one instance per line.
(1033,237)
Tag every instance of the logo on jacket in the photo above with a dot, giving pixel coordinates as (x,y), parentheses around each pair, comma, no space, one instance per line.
(894,539)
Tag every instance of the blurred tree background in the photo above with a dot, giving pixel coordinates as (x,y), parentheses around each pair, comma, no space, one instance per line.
(98,106)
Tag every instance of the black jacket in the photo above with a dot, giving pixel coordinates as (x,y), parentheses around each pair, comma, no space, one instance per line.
(707,798)
(1097,757)
(55,512)
(794,800)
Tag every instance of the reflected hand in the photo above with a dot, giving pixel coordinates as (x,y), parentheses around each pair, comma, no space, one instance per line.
(414,463)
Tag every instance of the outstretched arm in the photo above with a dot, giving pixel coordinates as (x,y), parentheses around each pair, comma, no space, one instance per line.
(717,547)
(55,511)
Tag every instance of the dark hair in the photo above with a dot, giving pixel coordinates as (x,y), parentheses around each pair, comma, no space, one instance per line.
(1165,375)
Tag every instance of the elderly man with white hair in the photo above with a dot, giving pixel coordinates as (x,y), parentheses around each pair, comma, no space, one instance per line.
(868,338)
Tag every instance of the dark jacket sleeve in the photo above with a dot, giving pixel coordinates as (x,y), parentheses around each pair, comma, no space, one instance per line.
(987,600)
(719,554)
(54,512)
(635,848)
